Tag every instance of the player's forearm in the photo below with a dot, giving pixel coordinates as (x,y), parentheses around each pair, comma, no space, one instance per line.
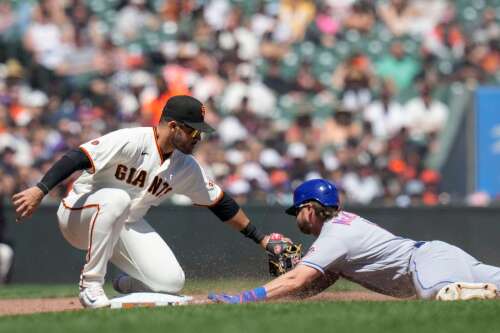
(282,286)
(228,211)
(72,161)
(239,221)
(285,285)
(242,223)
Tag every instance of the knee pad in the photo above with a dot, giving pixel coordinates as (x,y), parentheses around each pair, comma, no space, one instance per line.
(464,291)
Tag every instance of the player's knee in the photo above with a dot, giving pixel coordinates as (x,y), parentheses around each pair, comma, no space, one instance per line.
(6,254)
(428,294)
(169,282)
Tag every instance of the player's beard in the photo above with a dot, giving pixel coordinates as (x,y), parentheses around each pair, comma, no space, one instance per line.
(304,226)
(185,146)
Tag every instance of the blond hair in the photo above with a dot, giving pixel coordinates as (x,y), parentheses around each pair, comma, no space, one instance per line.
(322,212)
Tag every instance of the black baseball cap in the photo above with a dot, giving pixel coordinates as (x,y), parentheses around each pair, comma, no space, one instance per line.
(186,110)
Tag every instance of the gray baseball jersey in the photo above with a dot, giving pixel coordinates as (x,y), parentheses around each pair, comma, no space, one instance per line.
(365,253)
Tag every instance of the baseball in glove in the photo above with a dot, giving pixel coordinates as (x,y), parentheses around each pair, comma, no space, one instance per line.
(283,255)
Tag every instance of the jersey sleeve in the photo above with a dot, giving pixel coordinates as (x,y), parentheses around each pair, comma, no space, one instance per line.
(200,188)
(325,252)
(110,148)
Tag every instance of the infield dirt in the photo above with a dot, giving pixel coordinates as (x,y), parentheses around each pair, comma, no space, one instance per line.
(37,305)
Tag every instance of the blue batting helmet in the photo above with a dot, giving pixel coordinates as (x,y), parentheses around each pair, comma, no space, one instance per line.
(319,190)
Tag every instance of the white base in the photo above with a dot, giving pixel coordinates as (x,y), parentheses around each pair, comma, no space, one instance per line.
(148,300)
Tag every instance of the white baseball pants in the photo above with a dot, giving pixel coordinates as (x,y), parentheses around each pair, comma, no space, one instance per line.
(95,222)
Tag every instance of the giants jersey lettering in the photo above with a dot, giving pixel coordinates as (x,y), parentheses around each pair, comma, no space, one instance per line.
(130,159)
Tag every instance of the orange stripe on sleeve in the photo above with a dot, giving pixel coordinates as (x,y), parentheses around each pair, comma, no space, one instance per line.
(90,158)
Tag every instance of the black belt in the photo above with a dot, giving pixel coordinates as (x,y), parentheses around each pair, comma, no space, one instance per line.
(419,244)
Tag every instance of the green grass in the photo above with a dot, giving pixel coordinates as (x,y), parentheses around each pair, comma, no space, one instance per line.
(310,317)
(373,317)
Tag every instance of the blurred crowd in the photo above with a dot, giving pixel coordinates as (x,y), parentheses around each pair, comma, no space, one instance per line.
(349,90)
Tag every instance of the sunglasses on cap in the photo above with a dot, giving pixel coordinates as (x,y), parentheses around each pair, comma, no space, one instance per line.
(304,205)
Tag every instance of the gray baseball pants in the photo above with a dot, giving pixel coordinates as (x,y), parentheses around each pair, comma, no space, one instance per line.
(436,264)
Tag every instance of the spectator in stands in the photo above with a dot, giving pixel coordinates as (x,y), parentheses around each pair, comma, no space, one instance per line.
(297,14)
(305,80)
(7,30)
(355,79)
(128,56)
(45,39)
(425,115)
(337,129)
(446,39)
(398,66)
(275,80)
(362,185)
(151,110)
(399,16)
(385,115)
(491,60)
(132,18)
(429,71)
(324,27)
(430,12)
(209,84)
(469,69)
(261,99)
(488,29)
(303,130)
(361,17)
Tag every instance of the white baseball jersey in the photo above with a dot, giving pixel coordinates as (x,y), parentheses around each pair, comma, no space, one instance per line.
(363,252)
(130,159)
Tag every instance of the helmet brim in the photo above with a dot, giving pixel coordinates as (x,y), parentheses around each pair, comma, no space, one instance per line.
(291,211)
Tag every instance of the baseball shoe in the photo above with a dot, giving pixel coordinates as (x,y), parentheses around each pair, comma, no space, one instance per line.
(93,297)
(465,291)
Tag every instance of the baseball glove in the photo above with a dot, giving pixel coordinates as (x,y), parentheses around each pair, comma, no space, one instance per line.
(283,256)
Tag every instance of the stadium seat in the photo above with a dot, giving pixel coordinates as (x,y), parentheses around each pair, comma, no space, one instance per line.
(290,65)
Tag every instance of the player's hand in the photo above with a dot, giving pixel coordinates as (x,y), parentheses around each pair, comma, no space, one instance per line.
(224,298)
(26,202)
(274,236)
(246,296)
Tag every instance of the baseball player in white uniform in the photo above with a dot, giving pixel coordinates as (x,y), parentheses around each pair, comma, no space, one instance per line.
(125,173)
(358,250)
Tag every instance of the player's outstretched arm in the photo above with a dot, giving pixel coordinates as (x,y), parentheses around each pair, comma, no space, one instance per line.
(291,283)
(286,285)
(242,223)
(27,201)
